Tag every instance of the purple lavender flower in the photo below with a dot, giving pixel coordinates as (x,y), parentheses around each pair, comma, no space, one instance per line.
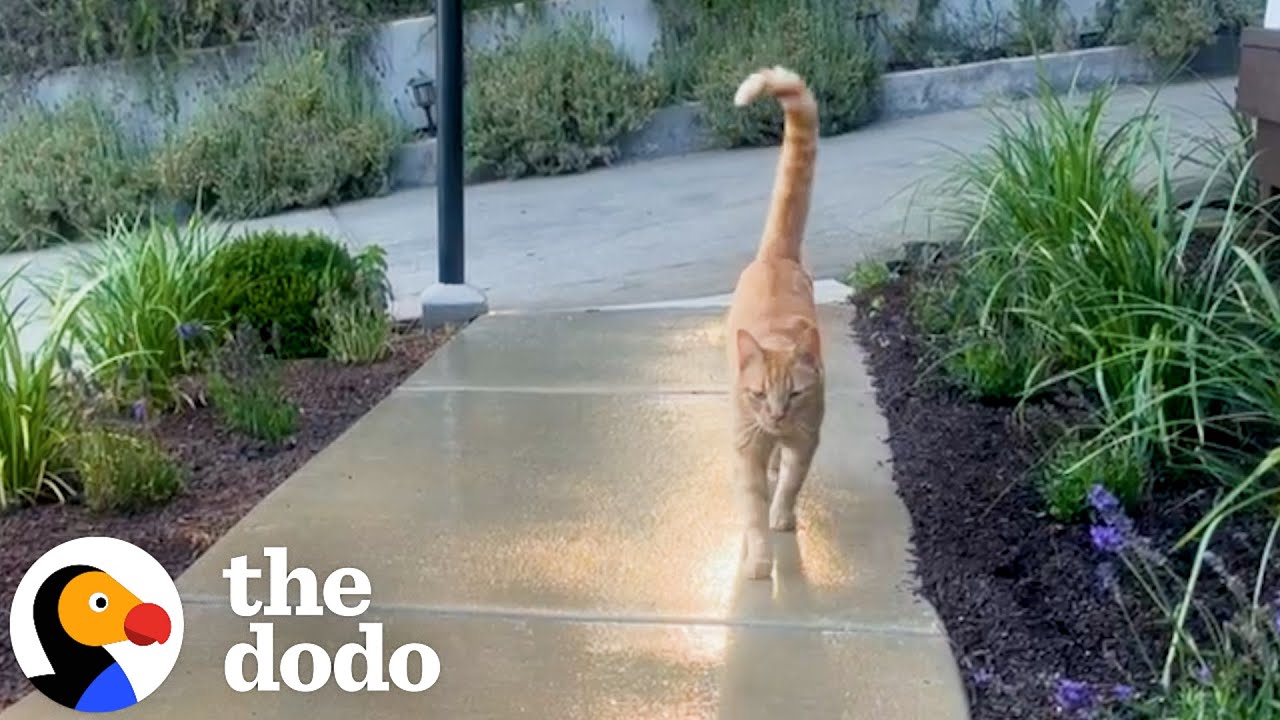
(139,411)
(1122,693)
(1110,511)
(1106,576)
(189,331)
(1072,696)
(1107,538)
(1103,501)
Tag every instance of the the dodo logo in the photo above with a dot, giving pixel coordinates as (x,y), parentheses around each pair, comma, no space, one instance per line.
(96,624)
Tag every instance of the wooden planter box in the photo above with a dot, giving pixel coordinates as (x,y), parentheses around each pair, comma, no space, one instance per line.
(1258,95)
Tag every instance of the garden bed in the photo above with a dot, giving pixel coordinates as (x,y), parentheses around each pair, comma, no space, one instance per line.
(227,474)
(1026,601)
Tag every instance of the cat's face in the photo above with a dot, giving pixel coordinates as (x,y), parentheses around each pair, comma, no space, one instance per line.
(778,387)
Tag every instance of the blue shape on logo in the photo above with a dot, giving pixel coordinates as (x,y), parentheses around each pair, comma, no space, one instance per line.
(109,692)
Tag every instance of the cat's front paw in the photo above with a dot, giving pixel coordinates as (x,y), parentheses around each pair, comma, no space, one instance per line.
(782,520)
(757,568)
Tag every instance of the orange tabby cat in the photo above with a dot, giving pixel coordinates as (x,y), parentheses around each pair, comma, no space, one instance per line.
(775,353)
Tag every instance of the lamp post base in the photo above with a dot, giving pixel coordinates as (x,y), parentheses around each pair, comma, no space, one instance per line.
(446,304)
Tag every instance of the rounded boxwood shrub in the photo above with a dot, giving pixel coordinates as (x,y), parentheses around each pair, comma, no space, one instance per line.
(67,171)
(820,40)
(304,131)
(552,100)
(274,281)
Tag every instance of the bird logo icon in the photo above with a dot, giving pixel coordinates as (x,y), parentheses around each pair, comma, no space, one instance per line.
(96,624)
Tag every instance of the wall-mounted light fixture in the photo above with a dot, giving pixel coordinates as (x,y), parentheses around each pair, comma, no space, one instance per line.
(424,96)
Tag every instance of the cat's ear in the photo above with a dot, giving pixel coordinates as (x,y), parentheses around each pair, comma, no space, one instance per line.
(809,347)
(748,348)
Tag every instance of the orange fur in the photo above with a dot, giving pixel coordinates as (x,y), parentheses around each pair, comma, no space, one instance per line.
(774,348)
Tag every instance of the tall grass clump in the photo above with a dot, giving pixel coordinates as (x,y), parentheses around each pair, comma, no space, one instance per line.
(819,39)
(150,317)
(357,326)
(306,130)
(38,414)
(67,171)
(554,99)
(1078,254)
(247,390)
(123,471)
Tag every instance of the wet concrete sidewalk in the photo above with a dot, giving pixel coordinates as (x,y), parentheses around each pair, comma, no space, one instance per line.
(546,504)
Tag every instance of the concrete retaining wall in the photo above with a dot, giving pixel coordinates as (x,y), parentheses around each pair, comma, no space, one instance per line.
(150,100)
(677,130)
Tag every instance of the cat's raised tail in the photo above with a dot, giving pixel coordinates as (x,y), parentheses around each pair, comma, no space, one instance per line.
(793,185)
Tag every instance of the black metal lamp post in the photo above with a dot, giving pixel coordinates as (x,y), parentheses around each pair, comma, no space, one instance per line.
(449,145)
(450,301)
(424,96)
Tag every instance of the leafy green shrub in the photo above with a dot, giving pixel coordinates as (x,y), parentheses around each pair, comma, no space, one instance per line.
(66,171)
(38,417)
(1075,466)
(124,471)
(868,275)
(274,281)
(56,33)
(1042,26)
(246,390)
(1170,31)
(555,99)
(991,365)
(931,306)
(938,35)
(306,130)
(817,39)
(148,319)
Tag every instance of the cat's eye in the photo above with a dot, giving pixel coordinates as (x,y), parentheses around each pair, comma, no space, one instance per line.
(796,393)
(757,395)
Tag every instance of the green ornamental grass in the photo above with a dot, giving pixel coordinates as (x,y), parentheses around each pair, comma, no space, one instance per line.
(150,317)
(39,415)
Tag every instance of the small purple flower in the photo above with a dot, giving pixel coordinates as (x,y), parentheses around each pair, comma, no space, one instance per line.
(138,411)
(1203,674)
(1106,576)
(1103,501)
(982,677)
(1122,693)
(1275,620)
(189,331)
(1107,538)
(1073,696)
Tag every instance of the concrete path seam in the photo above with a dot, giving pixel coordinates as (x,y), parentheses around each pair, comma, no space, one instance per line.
(587,390)
(519,614)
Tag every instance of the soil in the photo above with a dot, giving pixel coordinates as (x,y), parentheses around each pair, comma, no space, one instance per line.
(228,474)
(1021,595)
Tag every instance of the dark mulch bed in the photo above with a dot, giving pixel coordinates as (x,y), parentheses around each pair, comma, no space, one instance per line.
(1020,594)
(228,474)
